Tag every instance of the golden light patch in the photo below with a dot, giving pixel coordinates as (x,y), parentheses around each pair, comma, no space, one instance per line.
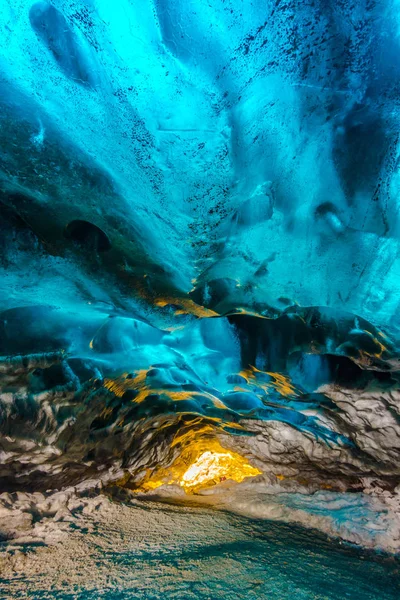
(382,347)
(212,468)
(248,312)
(280,383)
(203,463)
(121,384)
(187,307)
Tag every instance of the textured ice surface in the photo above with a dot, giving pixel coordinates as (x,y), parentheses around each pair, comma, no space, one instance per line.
(159,551)
(249,149)
(199,236)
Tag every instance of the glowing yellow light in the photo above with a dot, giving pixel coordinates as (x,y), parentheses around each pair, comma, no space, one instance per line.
(186,307)
(213,467)
(202,464)
(208,466)
(279,382)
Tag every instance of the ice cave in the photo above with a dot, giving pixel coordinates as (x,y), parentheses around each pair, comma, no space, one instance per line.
(200,299)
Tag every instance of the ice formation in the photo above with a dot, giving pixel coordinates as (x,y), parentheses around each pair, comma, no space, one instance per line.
(199,246)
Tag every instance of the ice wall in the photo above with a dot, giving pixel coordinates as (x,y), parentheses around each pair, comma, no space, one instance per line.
(247,150)
(199,223)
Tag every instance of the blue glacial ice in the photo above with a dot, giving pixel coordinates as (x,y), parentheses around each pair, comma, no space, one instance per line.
(199,241)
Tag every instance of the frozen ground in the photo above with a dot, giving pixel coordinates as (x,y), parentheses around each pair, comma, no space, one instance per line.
(151,550)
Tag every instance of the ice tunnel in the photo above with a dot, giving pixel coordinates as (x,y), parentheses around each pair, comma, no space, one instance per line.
(200,262)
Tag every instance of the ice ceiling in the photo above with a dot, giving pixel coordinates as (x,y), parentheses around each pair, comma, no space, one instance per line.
(199,238)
